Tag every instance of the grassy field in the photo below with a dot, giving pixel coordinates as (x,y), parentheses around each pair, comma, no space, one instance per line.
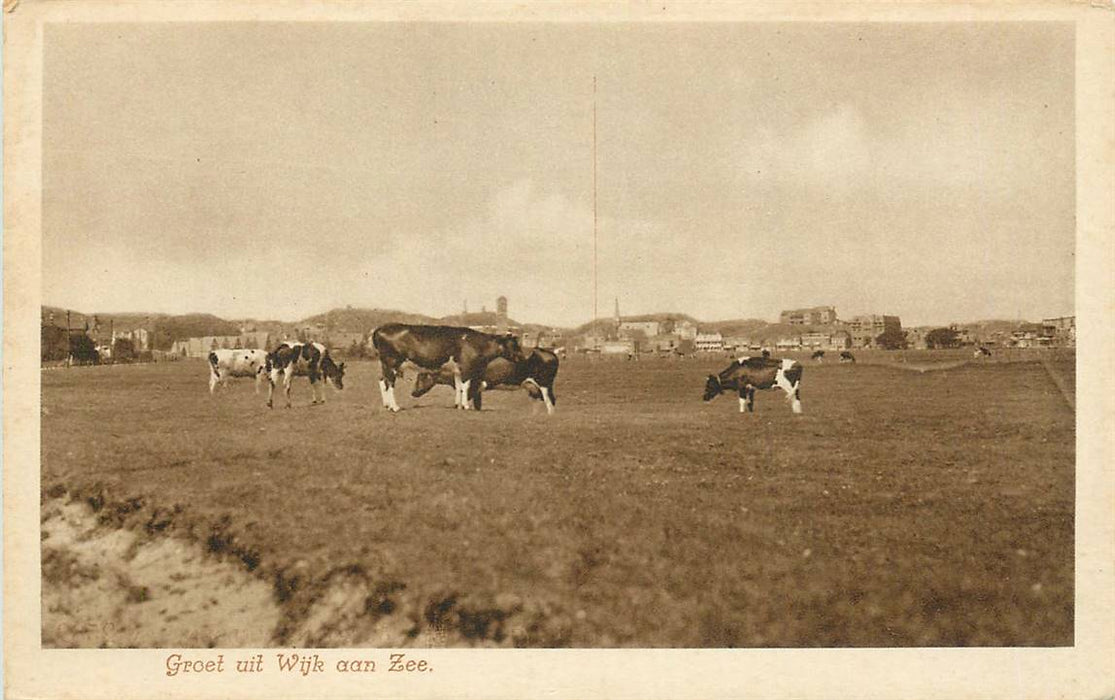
(903,508)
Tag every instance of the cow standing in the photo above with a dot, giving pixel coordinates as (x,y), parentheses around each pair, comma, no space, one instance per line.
(236,363)
(432,348)
(847,357)
(818,356)
(311,360)
(747,374)
(536,374)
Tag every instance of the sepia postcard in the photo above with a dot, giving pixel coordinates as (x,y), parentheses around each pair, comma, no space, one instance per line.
(524,349)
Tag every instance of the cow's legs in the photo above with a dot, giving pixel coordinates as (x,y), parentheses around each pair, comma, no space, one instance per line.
(259,378)
(795,405)
(272,379)
(288,378)
(316,388)
(387,387)
(549,402)
(458,390)
(747,399)
(465,394)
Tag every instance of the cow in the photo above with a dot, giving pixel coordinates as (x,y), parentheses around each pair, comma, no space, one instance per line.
(817,355)
(311,360)
(535,373)
(847,357)
(432,347)
(747,374)
(236,363)
(982,352)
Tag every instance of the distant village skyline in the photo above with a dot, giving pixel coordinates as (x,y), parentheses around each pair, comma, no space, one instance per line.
(490,308)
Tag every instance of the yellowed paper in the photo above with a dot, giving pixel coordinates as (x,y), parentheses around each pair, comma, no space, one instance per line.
(1082,670)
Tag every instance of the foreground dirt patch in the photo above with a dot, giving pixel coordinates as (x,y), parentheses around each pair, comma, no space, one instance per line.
(111,587)
(108,585)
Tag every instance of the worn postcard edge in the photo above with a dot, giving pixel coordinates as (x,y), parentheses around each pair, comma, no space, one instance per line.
(1081,671)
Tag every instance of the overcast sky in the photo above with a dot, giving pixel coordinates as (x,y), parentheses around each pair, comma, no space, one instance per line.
(276,171)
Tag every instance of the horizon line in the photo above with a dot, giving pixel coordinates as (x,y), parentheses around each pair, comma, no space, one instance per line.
(533,323)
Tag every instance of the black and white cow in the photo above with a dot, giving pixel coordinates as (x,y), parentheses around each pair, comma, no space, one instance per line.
(847,357)
(295,359)
(535,373)
(747,374)
(818,355)
(433,347)
(982,352)
(236,363)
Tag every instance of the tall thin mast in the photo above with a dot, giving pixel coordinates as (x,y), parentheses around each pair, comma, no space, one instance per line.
(595,314)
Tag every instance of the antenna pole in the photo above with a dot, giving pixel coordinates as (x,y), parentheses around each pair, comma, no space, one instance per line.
(595,313)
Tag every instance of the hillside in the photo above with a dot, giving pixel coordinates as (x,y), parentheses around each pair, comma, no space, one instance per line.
(362,320)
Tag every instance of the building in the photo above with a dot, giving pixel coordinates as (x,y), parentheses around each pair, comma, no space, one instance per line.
(813,316)
(1061,329)
(624,346)
(663,343)
(784,344)
(815,341)
(736,343)
(140,337)
(1030,335)
(685,330)
(865,329)
(709,342)
(201,347)
(839,340)
(501,313)
(916,338)
(647,328)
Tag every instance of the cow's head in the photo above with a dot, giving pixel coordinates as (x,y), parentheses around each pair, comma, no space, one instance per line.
(713,387)
(423,383)
(334,373)
(509,348)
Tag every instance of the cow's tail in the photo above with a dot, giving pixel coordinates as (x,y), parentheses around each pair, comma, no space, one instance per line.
(213,363)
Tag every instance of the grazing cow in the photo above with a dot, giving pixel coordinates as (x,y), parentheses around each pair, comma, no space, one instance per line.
(817,355)
(536,374)
(982,352)
(432,347)
(847,357)
(236,363)
(311,360)
(747,374)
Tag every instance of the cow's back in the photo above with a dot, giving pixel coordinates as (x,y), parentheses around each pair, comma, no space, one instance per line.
(426,346)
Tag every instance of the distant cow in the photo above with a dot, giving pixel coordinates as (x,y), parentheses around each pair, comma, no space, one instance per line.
(847,357)
(817,355)
(236,363)
(747,374)
(432,347)
(982,352)
(294,359)
(535,373)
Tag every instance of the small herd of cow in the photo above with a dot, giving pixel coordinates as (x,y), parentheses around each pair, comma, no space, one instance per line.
(468,360)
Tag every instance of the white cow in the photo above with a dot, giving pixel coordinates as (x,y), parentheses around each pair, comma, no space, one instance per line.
(236,363)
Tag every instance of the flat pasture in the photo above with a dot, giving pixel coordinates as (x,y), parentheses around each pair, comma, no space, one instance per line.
(902,509)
